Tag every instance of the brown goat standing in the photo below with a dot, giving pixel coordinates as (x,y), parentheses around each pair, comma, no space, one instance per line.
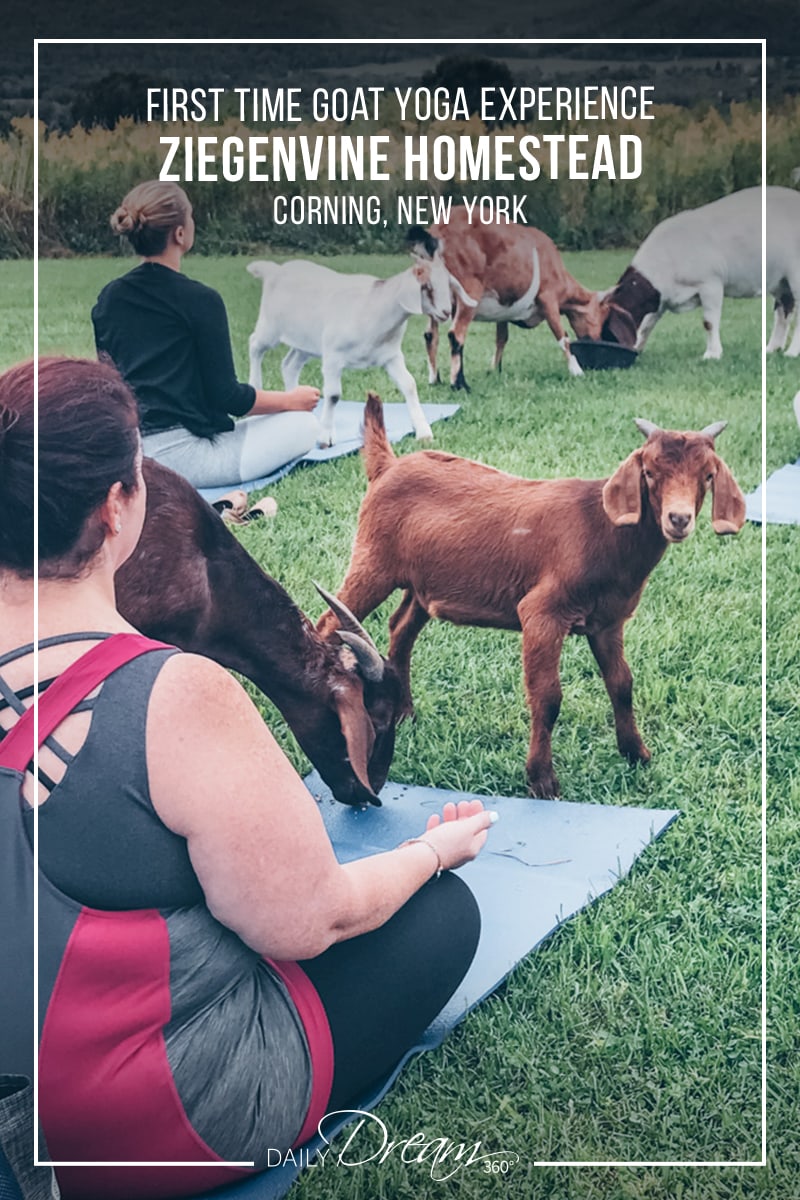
(549,557)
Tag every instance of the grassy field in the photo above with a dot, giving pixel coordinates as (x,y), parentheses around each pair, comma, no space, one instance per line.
(634,1034)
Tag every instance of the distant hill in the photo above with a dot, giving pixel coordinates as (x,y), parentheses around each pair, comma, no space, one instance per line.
(682,74)
(73,65)
(772,19)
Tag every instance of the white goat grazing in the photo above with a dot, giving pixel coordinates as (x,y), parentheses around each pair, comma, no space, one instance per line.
(699,256)
(347,321)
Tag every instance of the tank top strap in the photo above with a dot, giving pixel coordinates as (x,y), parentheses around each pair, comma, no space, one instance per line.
(59,639)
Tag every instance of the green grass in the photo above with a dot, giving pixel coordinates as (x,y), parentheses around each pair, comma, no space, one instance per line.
(634,1033)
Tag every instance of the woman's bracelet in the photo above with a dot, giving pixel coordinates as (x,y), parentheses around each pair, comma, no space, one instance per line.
(423,841)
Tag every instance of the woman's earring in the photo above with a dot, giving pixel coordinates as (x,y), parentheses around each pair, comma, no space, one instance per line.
(118,527)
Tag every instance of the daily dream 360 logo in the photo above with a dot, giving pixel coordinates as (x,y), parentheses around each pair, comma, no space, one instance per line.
(369,1141)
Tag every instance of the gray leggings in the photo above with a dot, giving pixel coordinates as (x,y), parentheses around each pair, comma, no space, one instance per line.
(257,446)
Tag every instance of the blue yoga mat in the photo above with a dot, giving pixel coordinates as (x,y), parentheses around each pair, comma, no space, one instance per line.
(544,861)
(349,438)
(781,506)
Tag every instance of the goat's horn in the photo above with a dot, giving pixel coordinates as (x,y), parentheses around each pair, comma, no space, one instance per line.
(714,430)
(348,621)
(645,427)
(370,663)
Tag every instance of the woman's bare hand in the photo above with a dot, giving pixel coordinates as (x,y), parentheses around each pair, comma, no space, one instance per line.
(460,832)
(302,399)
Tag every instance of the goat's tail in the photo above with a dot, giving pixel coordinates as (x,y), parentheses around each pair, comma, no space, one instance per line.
(378,453)
(262,269)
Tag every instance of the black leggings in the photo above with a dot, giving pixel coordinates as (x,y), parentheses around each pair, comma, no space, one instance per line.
(382,989)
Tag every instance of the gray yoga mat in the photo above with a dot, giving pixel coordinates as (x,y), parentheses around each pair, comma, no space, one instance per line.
(779,503)
(544,861)
(349,438)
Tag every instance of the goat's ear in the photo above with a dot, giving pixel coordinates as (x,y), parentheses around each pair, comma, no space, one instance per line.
(618,325)
(728,507)
(420,243)
(622,493)
(359,734)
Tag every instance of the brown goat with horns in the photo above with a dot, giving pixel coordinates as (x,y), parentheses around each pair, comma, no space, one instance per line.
(191,583)
(558,556)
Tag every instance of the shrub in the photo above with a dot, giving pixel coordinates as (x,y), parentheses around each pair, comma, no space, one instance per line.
(690,158)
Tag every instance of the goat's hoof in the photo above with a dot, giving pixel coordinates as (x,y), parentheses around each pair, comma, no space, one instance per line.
(637,753)
(325,443)
(544,787)
(425,434)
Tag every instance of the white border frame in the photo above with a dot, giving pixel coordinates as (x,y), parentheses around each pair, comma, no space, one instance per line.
(425,41)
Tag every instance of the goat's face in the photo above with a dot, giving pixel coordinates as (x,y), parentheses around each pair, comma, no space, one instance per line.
(586,318)
(435,290)
(366,693)
(350,736)
(624,307)
(431,273)
(671,474)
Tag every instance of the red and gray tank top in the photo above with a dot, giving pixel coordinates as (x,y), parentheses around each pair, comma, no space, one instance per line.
(162,1036)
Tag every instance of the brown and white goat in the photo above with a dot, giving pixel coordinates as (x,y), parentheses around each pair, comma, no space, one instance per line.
(697,257)
(505,273)
(191,583)
(475,546)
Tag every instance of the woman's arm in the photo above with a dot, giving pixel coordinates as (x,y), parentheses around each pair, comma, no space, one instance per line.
(299,399)
(254,833)
(222,388)
(208,321)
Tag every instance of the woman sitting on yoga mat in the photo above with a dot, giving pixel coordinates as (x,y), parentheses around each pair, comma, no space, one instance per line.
(212,980)
(168,337)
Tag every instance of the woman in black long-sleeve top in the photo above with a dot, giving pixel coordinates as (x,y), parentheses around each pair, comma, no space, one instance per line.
(168,336)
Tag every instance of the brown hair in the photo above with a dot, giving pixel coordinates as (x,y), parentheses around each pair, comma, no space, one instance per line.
(88,441)
(149,213)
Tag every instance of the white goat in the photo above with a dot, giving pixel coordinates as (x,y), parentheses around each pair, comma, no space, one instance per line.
(347,321)
(699,256)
